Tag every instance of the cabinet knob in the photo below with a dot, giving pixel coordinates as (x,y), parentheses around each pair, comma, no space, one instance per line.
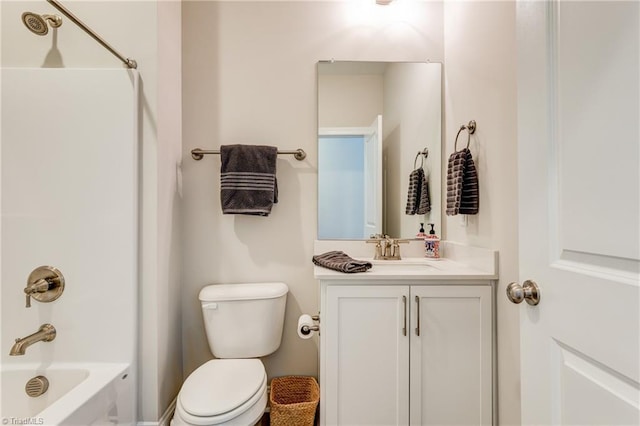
(528,291)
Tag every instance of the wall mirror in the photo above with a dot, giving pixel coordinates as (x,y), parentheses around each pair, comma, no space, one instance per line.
(374,118)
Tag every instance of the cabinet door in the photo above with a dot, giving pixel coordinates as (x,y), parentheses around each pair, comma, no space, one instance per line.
(366,365)
(451,350)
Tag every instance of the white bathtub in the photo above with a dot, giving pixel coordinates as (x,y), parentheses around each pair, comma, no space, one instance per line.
(78,394)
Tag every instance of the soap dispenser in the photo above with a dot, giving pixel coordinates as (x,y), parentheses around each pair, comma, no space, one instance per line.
(432,244)
(421,233)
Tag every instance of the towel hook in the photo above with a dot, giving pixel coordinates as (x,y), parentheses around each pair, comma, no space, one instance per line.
(470,128)
(425,154)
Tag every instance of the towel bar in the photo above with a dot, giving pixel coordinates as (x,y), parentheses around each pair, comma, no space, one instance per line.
(198,154)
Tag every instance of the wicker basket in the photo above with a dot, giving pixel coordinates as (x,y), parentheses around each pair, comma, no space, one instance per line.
(293,401)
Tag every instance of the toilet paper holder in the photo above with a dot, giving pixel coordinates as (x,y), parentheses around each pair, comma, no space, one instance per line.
(307,329)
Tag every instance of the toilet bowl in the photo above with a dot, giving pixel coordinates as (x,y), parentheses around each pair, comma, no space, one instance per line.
(242,322)
(223,392)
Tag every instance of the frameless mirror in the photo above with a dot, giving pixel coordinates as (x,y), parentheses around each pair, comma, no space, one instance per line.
(377,122)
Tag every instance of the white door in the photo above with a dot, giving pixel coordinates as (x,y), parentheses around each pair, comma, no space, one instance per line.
(451,355)
(578,147)
(373,178)
(365,353)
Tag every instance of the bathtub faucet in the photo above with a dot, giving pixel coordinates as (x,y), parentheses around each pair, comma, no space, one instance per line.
(46,333)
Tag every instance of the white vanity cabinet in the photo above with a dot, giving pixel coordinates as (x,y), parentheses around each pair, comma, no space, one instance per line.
(364,371)
(450,355)
(416,352)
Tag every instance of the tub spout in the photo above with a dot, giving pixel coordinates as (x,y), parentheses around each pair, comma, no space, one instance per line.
(46,333)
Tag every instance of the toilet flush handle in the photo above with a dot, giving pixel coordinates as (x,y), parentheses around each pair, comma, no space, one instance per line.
(210,306)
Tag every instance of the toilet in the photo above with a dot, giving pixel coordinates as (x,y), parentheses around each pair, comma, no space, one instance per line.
(242,322)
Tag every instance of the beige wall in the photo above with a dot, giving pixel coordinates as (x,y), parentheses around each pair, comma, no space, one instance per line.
(249,76)
(480,80)
(412,122)
(349,100)
(148,31)
(168,316)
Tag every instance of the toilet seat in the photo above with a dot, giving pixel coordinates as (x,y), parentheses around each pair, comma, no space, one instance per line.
(253,411)
(222,391)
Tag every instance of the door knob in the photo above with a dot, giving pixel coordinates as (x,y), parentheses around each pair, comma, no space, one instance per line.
(528,291)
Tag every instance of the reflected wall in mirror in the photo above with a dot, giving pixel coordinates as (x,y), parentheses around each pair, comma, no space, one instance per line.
(373,120)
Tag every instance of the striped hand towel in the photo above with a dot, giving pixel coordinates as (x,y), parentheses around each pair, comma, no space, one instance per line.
(418,194)
(248,182)
(462,184)
(424,205)
(341,262)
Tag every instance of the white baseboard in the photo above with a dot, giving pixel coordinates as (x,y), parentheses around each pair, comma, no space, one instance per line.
(165,420)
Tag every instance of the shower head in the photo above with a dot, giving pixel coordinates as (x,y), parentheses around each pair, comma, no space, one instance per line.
(37,24)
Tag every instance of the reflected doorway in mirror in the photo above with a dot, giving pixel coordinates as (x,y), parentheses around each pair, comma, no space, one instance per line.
(350,181)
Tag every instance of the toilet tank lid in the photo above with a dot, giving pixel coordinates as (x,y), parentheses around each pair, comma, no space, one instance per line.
(221,292)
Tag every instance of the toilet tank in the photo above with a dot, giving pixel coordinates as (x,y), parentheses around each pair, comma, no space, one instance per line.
(243,320)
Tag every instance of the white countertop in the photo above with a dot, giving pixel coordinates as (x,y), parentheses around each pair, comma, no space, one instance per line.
(460,263)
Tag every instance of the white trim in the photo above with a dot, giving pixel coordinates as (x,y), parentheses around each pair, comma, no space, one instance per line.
(165,420)
(344,131)
(267,409)
(166,417)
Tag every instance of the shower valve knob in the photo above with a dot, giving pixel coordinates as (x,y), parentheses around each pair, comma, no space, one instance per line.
(45,284)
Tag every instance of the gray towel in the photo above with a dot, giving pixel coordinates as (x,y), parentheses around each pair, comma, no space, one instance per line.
(424,206)
(339,261)
(418,194)
(462,184)
(248,182)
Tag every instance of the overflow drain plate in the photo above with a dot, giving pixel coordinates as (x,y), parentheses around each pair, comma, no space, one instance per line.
(36,386)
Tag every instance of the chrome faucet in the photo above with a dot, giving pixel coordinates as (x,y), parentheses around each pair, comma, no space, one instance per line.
(46,333)
(386,248)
